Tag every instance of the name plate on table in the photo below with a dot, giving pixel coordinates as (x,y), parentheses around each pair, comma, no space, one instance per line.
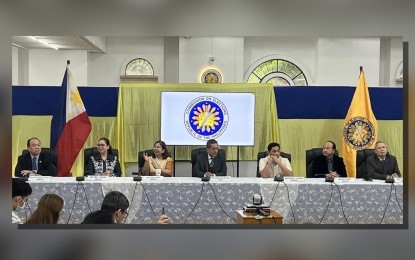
(220,178)
(152,178)
(39,178)
(398,180)
(344,179)
(97,178)
(294,178)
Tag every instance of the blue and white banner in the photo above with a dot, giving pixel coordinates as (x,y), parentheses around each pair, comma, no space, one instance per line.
(192,118)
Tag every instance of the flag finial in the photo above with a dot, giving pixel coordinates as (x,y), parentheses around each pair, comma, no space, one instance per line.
(361,68)
(69,62)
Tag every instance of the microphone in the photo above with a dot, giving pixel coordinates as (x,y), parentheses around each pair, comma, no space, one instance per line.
(389,179)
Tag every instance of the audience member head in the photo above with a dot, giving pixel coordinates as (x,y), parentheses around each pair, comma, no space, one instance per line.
(117,203)
(329,148)
(34,146)
(212,147)
(21,191)
(274,149)
(99,217)
(381,149)
(48,210)
(104,146)
(160,150)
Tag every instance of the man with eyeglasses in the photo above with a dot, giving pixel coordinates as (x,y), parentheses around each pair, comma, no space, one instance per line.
(35,162)
(117,203)
(211,163)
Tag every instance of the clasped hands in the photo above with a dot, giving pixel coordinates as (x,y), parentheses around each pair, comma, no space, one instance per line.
(27,172)
(149,159)
(274,160)
(393,175)
(332,174)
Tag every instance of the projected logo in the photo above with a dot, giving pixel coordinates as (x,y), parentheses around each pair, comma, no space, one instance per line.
(206,118)
(359,133)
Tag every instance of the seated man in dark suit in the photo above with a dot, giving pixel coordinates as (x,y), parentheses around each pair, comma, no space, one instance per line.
(211,163)
(328,164)
(34,162)
(382,165)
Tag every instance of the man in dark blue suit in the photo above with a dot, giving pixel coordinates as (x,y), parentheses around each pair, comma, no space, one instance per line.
(34,162)
(328,164)
(211,163)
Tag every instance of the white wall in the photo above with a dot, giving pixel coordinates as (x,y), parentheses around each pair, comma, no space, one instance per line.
(396,59)
(194,54)
(296,49)
(326,61)
(15,65)
(47,66)
(104,68)
(339,60)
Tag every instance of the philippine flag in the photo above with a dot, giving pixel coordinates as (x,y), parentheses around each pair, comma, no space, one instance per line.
(70,125)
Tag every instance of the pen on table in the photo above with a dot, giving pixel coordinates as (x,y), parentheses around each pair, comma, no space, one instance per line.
(162,211)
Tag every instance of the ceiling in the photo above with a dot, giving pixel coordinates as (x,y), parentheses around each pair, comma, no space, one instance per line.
(60,42)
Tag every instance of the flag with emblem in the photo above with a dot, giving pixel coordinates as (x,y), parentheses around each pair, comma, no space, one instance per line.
(360,127)
(70,124)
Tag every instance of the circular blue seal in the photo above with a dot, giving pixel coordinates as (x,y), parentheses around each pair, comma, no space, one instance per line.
(359,133)
(206,117)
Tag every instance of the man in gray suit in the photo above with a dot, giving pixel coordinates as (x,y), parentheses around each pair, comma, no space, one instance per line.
(382,165)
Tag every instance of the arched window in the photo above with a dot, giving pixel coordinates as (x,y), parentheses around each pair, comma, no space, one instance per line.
(279,72)
(139,66)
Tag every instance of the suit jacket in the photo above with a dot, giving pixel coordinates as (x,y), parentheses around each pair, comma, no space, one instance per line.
(202,165)
(378,170)
(320,168)
(96,165)
(44,167)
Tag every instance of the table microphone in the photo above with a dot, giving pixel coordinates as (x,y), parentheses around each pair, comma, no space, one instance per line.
(329,179)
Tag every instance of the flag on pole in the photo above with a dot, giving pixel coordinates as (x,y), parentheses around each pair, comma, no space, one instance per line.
(360,127)
(70,125)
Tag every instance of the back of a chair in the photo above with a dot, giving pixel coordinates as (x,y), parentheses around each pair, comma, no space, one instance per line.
(265,154)
(141,158)
(92,151)
(197,151)
(310,155)
(49,153)
(361,157)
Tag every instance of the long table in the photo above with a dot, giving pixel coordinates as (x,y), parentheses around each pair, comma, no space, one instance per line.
(188,200)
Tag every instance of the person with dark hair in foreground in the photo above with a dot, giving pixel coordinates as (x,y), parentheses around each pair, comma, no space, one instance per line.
(117,203)
(48,210)
(328,164)
(99,217)
(21,191)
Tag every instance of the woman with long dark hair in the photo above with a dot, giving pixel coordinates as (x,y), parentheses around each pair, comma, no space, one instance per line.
(48,210)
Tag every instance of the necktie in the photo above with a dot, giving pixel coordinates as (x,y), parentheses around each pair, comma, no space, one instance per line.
(211,162)
(330,165)
(34,164)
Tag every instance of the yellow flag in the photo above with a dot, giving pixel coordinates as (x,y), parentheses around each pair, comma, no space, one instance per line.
(360,128)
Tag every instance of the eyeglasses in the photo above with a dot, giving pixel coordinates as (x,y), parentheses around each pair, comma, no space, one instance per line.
(101,145)
(125,214)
